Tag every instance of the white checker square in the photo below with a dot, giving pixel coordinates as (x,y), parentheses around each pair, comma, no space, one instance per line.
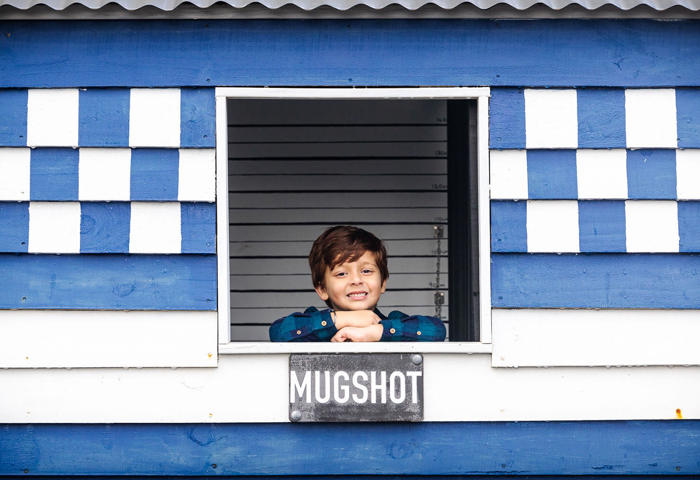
(601,174)
(651,226)
(154,117)
(508,174)
(54,227)
(551,118)
(105,174)
(688,174)
(14,173)
(197,176)
(552,226)
(155,227)
(52,117)
(650,118)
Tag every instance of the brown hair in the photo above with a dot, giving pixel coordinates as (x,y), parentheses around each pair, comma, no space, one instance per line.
(344,243)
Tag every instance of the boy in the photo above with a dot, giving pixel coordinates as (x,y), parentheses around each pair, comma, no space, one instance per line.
(349,273)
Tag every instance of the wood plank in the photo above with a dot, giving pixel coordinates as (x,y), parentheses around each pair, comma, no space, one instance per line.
(78,339)
(596,281)
(295,112)
(343,150)
(259,266)
(345,216)
(309,233)
(557,338)
(301,249)
(312,199)
(269,315)
(351,53)
(338,181)
(551,448)
(429,166)
(110,282)
(326,133)
(288,282)
(295,299)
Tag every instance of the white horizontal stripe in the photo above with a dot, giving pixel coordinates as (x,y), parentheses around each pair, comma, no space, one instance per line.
(255,388)
(155,227)
(650,118)
(54,227)
(14,173)
(46,338)
(553,338)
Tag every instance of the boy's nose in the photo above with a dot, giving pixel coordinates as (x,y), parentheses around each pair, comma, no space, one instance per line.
(355,278)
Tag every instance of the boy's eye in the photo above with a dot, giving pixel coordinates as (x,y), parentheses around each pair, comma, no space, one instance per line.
(367,270)
(340,274)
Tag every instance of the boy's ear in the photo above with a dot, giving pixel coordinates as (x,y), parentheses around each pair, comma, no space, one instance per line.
(384,285)
(321,291)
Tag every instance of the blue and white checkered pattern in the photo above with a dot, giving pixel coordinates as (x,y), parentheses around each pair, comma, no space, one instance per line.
(149,153)
(601,170)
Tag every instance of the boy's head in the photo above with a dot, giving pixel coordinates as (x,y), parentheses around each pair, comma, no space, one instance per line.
(348,268)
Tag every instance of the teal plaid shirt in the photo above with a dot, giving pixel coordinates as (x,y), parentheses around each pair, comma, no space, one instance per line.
(317,326)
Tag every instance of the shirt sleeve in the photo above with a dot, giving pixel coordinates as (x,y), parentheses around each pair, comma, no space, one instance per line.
(311,326)
(399,327)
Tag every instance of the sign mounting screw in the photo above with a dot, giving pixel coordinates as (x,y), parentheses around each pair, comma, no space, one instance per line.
(417,359)
(295,416)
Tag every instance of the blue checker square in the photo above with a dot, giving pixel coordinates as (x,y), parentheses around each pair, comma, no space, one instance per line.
(53,174)
(688,117)
(104,117)
(601,118)
(154,174)
(507,118)
(104,227)
(602,226)
(689,226)
(197,117)
(651,174)
(13,117)
(198,227)
(551,174)
(508,226)
(14,227)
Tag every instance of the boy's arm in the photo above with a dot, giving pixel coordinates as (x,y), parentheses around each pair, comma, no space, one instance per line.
(311,326)
(399,327)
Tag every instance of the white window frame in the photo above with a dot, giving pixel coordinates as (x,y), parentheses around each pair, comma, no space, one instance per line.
(480,94)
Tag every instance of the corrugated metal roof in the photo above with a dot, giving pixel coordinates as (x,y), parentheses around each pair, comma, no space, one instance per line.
(342,5)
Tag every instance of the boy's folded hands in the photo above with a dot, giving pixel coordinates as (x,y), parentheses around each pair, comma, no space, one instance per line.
(357,326)
(370,333)
(355,318)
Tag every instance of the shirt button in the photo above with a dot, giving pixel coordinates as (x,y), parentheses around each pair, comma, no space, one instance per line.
(418,332)
(392,330)
(323,323)
(298,332)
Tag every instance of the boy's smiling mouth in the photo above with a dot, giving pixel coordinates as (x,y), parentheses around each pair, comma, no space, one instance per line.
(357,295)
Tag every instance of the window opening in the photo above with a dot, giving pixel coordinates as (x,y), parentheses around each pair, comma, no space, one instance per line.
(299,166)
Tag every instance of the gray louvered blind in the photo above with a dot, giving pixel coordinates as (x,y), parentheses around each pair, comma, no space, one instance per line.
(297,167)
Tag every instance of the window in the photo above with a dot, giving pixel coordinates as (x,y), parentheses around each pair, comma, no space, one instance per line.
(300,160)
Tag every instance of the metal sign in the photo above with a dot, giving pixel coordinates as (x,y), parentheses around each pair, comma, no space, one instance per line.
(359,387)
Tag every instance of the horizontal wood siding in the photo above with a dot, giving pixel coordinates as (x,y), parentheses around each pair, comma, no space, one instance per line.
(350,53)
(297,167)
(458,448)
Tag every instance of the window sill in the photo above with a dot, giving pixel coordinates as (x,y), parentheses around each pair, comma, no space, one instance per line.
(238,348)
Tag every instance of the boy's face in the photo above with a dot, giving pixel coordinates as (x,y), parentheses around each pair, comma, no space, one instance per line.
(353,285)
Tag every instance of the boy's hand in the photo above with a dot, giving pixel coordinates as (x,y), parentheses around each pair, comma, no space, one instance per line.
(355,318)
(371,333)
